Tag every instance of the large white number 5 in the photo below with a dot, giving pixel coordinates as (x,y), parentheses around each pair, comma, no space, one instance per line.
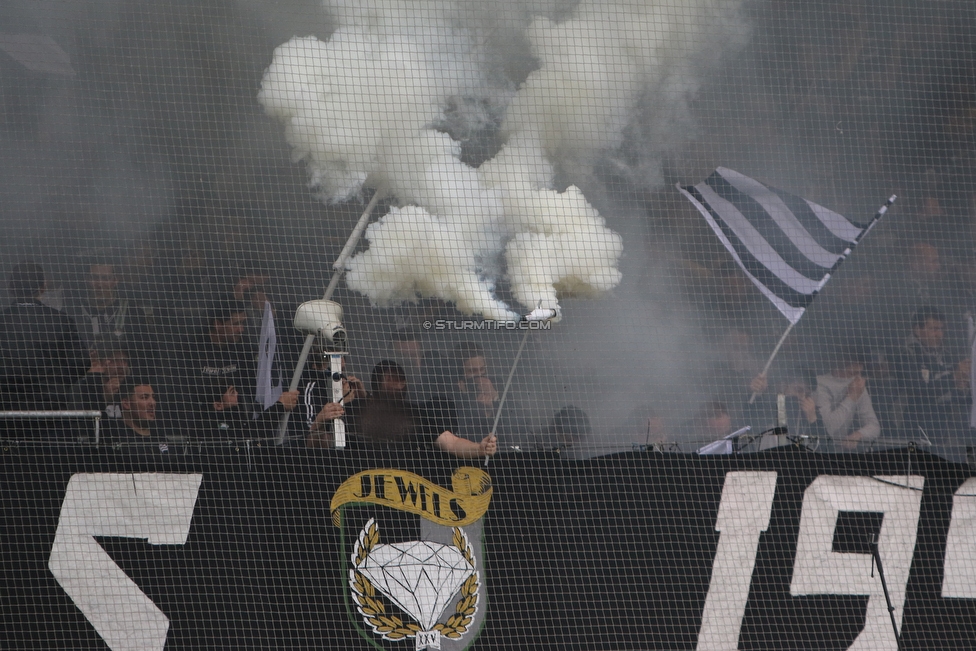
(155,507)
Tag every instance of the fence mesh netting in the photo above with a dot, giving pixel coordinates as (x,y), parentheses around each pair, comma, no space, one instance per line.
(564,324)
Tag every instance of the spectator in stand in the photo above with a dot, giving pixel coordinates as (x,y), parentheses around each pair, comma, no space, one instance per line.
(714,421)
(387,416)
(102,311)
(793,406)
(425,368)
(737,375)
(649,428)
(225,418)
(137,435)
(474,392)
(924,280)
(138,401)
(935,390)
(41,353)
(568,430)
(215,356)
(879,369)
(714,424)
(844,403)
(249,285)
(802,418)
(318,406)
(99,390)
(477,398)
(220,356)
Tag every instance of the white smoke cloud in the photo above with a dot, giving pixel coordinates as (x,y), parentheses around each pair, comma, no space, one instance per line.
(612,65)
(363,110)
(412,253)
(344,100)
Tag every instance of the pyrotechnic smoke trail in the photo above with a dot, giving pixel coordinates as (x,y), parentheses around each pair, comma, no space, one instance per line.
(360,109)
(363,109)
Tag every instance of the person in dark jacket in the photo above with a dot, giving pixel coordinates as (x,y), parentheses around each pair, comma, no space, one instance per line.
(226,418)
(104,312)
(137,437)
(41,353)
(934,387)
(319,409)
(99,390)
(388,418)
(218,355)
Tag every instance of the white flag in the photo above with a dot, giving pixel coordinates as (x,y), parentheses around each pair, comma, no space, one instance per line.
(266,394)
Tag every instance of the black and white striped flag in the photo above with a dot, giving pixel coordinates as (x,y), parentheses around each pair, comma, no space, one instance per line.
(788,246)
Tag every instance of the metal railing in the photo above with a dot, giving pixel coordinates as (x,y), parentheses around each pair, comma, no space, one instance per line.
(52,414)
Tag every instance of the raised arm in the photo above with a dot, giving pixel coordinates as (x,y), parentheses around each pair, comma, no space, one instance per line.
(838,416)
(466,449)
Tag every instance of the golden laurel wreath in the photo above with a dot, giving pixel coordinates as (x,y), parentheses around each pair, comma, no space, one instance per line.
(392,627)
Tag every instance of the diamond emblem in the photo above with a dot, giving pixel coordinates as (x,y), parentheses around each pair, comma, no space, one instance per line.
(419,576)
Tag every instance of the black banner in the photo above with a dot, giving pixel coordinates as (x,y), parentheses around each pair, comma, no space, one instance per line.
(236,548)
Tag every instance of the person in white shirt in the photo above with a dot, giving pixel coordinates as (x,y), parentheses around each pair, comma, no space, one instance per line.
(844,403)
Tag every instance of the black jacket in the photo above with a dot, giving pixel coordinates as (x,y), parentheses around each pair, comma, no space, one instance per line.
(928,386)
(41,356)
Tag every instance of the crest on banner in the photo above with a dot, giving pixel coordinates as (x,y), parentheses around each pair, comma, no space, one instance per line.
(415,555)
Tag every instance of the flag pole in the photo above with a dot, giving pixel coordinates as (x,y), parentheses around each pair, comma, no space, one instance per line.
(847,252)
(337,268)
(534,315)
(508,384)
(769,362)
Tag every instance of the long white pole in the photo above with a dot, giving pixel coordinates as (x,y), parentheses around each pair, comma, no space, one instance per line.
(769,362)
(337,268)
(508,384)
